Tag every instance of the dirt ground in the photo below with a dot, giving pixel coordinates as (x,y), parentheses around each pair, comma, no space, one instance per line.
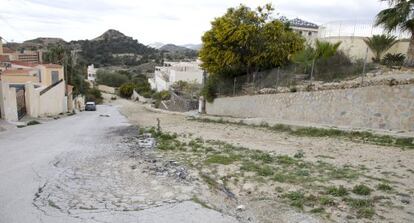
(375,165)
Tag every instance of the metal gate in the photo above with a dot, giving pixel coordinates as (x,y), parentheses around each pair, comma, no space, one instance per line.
(21,103)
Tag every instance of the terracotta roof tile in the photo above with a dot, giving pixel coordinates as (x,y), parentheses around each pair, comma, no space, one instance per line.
(51,65)
(8,50)
(16,72)
(4,58)
(26,64)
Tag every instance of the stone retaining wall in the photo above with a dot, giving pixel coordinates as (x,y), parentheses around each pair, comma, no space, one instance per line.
(375,107)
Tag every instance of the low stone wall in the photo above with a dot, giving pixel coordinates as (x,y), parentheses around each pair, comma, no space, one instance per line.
(374,107)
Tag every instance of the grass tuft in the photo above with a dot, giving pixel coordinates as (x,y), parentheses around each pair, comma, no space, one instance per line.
(362,190)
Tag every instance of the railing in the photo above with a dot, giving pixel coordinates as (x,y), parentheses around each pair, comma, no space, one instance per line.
(50,87)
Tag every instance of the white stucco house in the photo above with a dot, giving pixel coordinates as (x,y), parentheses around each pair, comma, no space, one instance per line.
(172,72)
(91,73)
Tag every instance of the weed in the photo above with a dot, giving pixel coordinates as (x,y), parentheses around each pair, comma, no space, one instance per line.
(326,201)
(365,213)
(261,170)
(359,203)
(265,171)
(200,202)
(384,187)
(222,159)
(264,157)
(337,191)
(317,210)
(210,181)
(286,160)
(299,154)
(362,190)
(53,205)
(297,199)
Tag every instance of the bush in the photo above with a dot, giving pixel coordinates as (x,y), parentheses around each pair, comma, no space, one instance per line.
(393,60)
(94,95)
(209,90)
(126,90)
(112,79)
(162,95)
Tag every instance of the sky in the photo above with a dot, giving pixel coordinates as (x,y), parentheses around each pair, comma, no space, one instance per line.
(166,21)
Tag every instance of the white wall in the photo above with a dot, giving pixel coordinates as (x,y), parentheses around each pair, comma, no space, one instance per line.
(52,102)
(8,102)
(356,48)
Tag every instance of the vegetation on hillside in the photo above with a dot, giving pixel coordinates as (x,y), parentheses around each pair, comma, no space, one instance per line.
(75,73)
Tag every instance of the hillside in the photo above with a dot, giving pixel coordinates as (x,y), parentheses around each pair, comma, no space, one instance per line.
(114,48)
(174,52)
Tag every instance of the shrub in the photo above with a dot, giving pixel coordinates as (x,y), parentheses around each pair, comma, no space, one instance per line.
(162,95)
(94,95)
(393,60)
(126,90)
(112,79)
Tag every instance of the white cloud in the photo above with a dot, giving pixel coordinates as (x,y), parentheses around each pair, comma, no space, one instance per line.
(179,21)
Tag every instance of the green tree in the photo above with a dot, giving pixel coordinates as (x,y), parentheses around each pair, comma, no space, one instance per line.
(126,90)
(74,73)
(379,44)
(244,41)
(399,17)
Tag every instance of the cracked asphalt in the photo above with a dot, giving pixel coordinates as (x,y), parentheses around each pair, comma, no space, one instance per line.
(75,170)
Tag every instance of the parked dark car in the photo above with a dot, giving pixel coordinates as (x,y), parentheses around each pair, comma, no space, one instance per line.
(90,106)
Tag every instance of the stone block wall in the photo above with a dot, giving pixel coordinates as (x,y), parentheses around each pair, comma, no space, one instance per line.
(375,107)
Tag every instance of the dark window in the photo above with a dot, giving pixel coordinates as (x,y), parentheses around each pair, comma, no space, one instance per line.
(310,34)
(55,76)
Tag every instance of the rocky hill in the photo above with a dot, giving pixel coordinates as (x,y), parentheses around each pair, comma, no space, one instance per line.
(114,48)
(111,34)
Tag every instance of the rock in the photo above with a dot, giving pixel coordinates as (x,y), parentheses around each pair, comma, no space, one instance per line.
(241,208)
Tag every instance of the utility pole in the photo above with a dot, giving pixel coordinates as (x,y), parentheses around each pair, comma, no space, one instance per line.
(202,103)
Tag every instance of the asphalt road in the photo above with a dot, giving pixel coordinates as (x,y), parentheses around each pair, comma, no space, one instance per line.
(34,158)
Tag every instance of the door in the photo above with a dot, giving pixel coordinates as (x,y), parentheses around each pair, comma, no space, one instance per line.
(21,103)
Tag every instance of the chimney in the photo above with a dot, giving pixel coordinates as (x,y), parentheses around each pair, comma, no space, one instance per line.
(1,46)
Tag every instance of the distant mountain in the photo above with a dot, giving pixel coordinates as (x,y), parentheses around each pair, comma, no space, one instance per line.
(156,45)
(174,52)
(193,46)
(174,48)
(45,41)
(113,48)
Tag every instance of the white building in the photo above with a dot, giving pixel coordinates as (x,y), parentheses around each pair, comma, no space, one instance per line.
(172,72)
(91,73)
(306,29)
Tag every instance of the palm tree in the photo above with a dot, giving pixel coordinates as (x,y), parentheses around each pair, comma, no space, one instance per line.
(323,50)
(400,16)
(379,44)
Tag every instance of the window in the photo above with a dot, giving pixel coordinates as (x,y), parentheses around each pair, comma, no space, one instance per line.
(310,34)
(55,77)
(40,76)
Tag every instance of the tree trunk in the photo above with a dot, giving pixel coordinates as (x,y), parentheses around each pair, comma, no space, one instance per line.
(410,53)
